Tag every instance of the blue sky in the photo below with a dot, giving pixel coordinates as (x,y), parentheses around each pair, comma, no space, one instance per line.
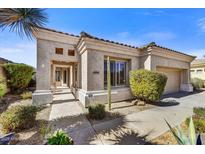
(179,29)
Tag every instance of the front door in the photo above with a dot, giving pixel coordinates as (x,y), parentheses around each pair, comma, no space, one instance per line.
(65,78)
(58,76)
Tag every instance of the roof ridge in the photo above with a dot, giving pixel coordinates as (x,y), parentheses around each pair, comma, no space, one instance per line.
(53,30)
(85,34)
(153,44)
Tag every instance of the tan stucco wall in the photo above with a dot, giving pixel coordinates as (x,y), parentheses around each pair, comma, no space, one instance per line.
(197,75)
(84,70)
(45,55)
(167,62)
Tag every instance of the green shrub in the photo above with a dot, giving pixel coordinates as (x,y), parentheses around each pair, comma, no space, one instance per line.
(3,87)
(18,75)
(96,111)
(26,95)
(60,138)
(199,111)
(197,83)
(199,123)
(17,118)
(147,85)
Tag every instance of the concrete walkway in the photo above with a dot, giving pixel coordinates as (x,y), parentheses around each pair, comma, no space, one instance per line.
(64,105)
(134,128)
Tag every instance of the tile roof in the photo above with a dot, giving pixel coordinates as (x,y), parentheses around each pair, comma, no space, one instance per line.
(52,30)
(84,34)
(153,44)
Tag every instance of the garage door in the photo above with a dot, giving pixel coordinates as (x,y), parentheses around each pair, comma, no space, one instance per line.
(173,81)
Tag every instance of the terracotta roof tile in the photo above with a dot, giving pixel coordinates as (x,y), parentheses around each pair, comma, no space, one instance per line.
(52,30)
(153,44)
(84,34)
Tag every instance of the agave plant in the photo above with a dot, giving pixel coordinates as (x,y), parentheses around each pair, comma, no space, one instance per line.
(182,139)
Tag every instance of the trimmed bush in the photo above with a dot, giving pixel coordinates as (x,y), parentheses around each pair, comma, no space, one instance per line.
(3,88)
(197,83)
(60,138)
(18,75)
(26,95)
(18,118)
(147,85)
(96,111)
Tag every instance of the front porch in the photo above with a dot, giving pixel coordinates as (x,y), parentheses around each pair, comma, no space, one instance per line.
(64,74)
(58,75)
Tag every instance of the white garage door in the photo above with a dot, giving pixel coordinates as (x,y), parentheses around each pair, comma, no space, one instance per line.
(173,81)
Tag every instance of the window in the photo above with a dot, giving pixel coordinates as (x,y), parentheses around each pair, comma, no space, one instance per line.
(117,72)
(59,51)
(192,71)
(199,71)
(71,53)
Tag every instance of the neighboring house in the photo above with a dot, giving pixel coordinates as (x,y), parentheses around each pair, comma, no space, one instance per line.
(79,62)
(2,62)
(198,69)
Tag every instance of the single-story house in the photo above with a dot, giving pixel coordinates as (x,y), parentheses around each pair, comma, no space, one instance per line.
(198,69)
(79,62)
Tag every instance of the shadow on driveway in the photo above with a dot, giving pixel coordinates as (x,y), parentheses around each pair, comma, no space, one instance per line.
(181,94)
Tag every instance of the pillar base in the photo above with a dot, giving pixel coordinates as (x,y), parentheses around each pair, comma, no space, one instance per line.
(42,97)
(186,87)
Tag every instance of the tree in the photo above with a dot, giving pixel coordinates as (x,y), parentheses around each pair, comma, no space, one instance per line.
(23,21)
(108,83)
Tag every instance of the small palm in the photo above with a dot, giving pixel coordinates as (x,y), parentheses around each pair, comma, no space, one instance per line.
(23,21)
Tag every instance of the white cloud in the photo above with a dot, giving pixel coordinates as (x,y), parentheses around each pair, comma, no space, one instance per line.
(154,12)
(159,36)
(123,34)
(201,24)
(197,52)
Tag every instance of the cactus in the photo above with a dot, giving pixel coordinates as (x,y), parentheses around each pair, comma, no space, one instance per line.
(182,139)
(108,83)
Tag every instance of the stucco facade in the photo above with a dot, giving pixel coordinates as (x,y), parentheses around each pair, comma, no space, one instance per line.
(198,69)
(85,70)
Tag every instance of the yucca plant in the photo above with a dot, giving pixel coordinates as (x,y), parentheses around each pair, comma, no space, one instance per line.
(182,138)
(23,21)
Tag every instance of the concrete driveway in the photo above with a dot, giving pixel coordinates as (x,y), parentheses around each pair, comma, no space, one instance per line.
(135,128)
(151,122)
